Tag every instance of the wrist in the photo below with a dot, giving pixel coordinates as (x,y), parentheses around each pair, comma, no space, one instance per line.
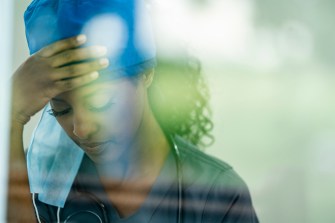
(19,119)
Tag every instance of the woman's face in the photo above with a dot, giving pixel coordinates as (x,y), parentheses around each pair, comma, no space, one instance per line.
(102,118)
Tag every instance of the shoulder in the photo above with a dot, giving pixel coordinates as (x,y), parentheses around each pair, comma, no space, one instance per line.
(198,164)
(213,187)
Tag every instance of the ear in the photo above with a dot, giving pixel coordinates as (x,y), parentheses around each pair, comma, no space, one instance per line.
(148,77)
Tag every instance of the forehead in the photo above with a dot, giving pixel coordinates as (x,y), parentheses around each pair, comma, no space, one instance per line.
(108,87)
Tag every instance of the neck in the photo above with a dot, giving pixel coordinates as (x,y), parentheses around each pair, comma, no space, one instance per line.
(142,159)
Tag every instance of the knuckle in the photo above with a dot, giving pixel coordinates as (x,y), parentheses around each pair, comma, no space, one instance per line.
(71,70)
(47,52)
(80,54)
(43,52)
(67,84)
(62,44)
(67,56)
(38,60)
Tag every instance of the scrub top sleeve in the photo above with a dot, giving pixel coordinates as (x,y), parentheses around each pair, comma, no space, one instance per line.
(241,210)
(229,200)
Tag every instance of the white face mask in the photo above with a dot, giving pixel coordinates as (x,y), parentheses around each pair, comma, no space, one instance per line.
(53,160)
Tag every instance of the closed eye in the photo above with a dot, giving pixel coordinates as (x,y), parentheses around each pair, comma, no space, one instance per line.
(55,113)
(99,102)
(102,107)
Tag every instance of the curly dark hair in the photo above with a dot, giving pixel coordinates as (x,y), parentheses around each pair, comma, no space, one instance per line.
(179,98)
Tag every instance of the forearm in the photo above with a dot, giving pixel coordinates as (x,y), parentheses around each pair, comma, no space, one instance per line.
(19,198)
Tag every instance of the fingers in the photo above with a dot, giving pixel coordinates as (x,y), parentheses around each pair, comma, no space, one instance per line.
(74,70)
(77,55)
(65,65)
(68,84)
(62,45)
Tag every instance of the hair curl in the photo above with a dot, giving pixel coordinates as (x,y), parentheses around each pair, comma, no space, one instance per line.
(179,98)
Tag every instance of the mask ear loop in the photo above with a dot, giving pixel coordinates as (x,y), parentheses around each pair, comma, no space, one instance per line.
(58,215)
(36,209)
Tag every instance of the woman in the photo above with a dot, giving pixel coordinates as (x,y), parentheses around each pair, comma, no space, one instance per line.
(123,155)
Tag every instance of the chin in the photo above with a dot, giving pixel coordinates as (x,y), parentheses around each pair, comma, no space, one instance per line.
(102,153)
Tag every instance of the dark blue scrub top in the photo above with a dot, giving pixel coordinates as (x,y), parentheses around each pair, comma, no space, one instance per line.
(211,192)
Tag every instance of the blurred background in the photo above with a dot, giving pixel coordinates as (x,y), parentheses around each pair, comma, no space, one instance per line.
(270,69)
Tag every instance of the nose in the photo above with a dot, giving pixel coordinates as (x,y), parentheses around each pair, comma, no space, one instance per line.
(84,126)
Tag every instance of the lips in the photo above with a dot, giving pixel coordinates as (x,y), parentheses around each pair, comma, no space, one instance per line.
(101,152)
(94,147)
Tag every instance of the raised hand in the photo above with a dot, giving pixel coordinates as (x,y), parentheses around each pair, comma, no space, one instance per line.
(59,67)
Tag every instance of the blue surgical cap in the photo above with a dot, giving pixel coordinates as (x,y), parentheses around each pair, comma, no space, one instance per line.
(123,26)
